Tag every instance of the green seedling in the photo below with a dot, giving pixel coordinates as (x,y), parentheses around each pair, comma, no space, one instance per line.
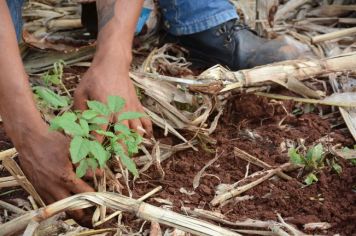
(119,140)
(347,150)
(49,97)
(313,161)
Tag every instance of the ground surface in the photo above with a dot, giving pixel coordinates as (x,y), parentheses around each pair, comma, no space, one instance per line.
(330,200)
(254,125)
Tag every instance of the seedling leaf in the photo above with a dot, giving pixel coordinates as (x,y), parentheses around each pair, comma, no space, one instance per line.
(295,158)
(99,121)
(317,152)
(51,98)
(310,179)
(99,107)
(106,133)
(99,152)
(78,149)
(85,127)
(89,114)
(68,124)
(115,103)
(118,127)
(130,115)
(82,168)
(92,163)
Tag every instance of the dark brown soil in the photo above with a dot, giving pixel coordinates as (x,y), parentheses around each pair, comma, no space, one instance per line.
(331,200)
(259,127)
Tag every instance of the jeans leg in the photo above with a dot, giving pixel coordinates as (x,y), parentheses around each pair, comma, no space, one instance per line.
(15,8)
(182,17)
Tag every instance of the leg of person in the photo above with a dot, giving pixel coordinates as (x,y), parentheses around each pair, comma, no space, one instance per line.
(212,32)
(15,7)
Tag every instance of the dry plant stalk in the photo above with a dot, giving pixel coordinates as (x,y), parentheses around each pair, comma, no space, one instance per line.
(118,203)
(334,35)
(9,181)
(280,72)
(7,153)
(234,192)
(20,177)
(254,160)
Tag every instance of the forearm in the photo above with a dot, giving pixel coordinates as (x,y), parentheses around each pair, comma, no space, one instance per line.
(117,21)
(17,107)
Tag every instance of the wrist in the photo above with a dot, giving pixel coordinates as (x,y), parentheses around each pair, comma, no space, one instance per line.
(22,126)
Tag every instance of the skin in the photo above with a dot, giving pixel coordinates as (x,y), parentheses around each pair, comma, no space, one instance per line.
(43,154)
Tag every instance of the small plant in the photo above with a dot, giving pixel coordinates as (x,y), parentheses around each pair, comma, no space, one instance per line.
(49,97)
(119,140)
(313,161)
(347,150)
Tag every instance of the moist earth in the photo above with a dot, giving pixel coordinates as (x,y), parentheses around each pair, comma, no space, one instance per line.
(265,129)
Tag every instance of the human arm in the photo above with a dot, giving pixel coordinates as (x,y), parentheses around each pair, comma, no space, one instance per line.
(109,72)
(43,154)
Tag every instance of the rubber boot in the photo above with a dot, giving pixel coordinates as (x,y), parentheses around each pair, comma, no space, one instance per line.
(235,46)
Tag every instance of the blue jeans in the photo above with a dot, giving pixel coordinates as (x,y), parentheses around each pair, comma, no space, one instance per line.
(181,17)
(15,7)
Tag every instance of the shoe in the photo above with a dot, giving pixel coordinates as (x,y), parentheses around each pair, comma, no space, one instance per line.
(235,46)
(89,18)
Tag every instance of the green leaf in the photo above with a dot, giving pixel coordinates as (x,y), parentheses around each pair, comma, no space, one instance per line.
(82,168)
(99,152)
(317,152)
(89,114)
(92,162)
(118,127)
(130,164)
(337,168)
(50,79)
(55,123)
(68,124)
(311,178)
(99,121)
(51,98)
(85,126)
(126,160)
(130,115)
(79,149)
(99,107)
(295,158)
(115,103)
(105,133)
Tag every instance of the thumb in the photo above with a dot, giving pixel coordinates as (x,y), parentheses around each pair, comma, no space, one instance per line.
(80,100)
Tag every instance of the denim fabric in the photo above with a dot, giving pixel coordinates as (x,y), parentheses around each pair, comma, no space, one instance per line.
(182,17)
(15,7)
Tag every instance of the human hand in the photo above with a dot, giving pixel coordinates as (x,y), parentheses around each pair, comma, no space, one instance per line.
(44,158)
(100,82)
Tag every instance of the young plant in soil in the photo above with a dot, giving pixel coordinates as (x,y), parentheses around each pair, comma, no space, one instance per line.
(119,140)
(48,97)
(313,162)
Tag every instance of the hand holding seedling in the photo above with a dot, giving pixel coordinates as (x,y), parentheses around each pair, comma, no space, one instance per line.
(43,154)
(109,72)
(99,83)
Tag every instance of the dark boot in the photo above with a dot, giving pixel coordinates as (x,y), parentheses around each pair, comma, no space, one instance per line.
(90,18)
(234,45)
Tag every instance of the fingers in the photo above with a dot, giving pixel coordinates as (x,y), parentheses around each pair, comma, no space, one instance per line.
(80,100)
(90,174)
(147,125)
(137,126)
(76,185)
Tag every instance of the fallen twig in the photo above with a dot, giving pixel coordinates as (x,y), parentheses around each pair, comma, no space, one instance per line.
(197,177)
(119,203)
(234,192)
(11,208)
